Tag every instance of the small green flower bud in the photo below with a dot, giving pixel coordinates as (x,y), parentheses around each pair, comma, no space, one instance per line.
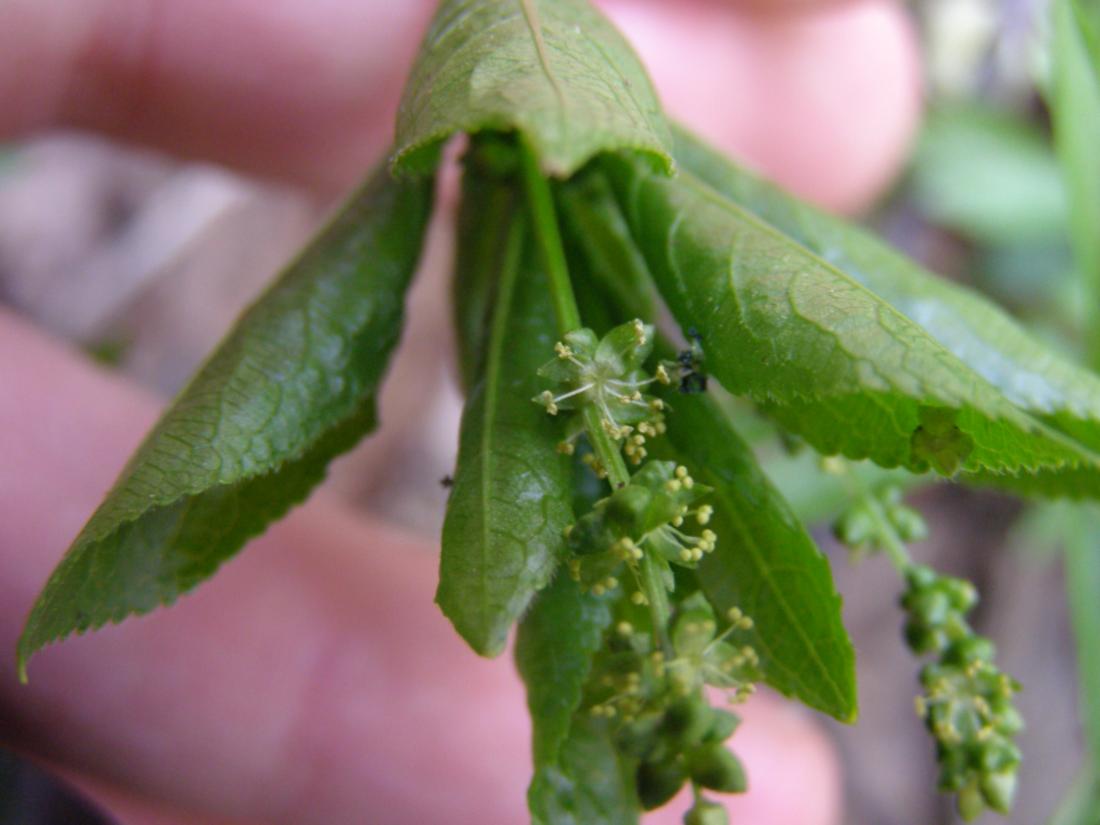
(855,528)
(687,721)
(626,507)
(693,629)
(954,769)
(999,756)
(637,739)
(970,802)
(962,594)
(715,767)
(658,782)
(970,649)
(705,812)
(929,606)
(920,576)
(908,523)
(890,495)
(723,724)
(999,789)
(1007,718)
(922,639)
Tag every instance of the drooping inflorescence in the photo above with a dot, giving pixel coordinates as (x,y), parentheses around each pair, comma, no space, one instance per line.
(652,513)
(967,701)
(647,684)
(655,706)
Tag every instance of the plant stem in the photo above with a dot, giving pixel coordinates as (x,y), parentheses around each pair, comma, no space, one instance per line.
(607,451)
(1082,575)
(657,597)
(892,544)
(548,237)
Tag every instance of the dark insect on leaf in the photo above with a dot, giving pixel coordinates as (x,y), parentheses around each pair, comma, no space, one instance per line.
(693,380)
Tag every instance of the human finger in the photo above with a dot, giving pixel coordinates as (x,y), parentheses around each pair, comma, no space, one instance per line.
(824,98)
(825,101)
(312,681)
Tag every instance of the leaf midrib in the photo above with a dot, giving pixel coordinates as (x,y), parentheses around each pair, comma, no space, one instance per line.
(531,16)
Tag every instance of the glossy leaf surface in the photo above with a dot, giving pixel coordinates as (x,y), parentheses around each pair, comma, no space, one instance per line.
(981,335)
(292,386)
(830,359)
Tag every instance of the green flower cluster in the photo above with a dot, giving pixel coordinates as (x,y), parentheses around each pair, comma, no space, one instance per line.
(655,705)
(967,704)
(861,527)
(608,374)
(650,513)
(647,683)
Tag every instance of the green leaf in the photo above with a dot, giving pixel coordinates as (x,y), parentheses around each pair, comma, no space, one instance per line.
(291,386)
(555,70)
(511,500)
(831,360)
(1082,573)
(975,331)
(989,176)
(554,649)
(1075,108)
(588,786)
(765,563)
(1081,805)
(1087,13)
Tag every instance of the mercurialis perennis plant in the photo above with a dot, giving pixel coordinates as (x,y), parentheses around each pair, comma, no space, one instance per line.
(625,300)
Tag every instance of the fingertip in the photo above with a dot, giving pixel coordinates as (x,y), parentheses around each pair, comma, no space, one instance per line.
(824,101)
(792,766)
(300,92)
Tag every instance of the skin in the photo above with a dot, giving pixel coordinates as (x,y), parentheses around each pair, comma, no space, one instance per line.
(313,680)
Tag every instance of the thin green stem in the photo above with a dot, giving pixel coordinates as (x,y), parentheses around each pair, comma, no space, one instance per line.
(607,451)
(1075,109)
(548,237)
(891,542)
(1082,586)
(888,537)
(657,597)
